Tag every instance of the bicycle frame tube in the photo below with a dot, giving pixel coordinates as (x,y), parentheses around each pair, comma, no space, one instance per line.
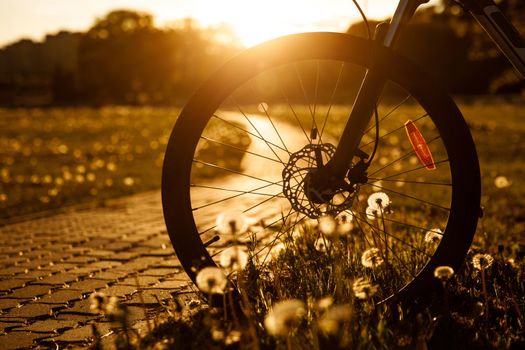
(501,31)
(368,95)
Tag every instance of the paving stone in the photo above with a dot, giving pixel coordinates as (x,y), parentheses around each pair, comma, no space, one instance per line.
(8,303)
(48,326)
(59,267)
(161,272)
(80,260)
(29,292)
(171,284)
(18,340)
(111,275)
(12,270)
(119,291)
(61,296)
(105,264)
(7,326)
(83,271)
(58,279)
(78,318)
(100,253)
(149,297)
(80,307)
(139,281)
(7,285)
(77,335)
(118,246)
(32,275)
(88,285)
(164,252)
(29,311)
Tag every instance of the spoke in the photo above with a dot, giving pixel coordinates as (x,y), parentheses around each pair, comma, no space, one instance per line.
(257,131)
(231,171)
(411,170)
(390,112)
(307,100)
(374,228)
(402,157)
(283,93)
(239,149)
(399,223)
(393,131)
(240,193)
(413,182)
(332,96)
(265,110)
(249,133)
(407,196)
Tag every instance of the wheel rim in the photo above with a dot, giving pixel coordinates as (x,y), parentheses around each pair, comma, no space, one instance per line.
(285,123)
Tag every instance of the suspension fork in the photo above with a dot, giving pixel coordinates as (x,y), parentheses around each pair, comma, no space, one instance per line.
(369,92)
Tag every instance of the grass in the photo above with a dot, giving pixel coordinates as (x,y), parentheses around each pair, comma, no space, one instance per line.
(56,157)
(308,298)
(51,158)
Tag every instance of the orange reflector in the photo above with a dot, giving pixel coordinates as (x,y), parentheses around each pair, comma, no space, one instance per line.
(420,145)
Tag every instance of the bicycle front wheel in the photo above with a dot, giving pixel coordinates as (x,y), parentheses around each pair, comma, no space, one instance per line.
(249,138)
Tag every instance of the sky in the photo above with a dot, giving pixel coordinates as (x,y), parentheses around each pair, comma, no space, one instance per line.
(253,20)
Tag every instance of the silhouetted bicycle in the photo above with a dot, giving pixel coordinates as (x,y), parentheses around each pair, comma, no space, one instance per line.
(328,124)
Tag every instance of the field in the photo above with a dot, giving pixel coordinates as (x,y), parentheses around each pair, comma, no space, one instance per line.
(51,158)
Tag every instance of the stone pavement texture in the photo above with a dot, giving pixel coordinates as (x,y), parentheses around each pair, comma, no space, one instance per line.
(49,267)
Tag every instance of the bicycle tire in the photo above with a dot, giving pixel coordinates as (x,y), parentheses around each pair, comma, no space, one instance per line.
(291,51)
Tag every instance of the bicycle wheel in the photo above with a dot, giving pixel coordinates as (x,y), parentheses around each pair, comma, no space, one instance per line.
(249,137)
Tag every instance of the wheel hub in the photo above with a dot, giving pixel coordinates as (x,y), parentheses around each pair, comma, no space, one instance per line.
(309,190)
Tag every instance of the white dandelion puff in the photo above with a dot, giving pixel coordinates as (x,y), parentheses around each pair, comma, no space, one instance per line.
(284,317)
(378,201)
(364,289)
(229,223)
(443,272)
(234,258)
(502,182)
(211,280)
(327,225)
(482,261)
(372,213)
(434,235)
(371,258)
(334,318)
(321,244)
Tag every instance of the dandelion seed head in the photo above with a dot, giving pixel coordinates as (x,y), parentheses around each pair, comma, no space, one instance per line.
(211,280)
(321,244)
(234,258)
(371,258)
(364,289)
(372,214)
(284,317)
(502,182)
(334,318)
(482,261)
(433,236)
(378,201)
(325,303)
(229,223)
(443,272)
(327,225)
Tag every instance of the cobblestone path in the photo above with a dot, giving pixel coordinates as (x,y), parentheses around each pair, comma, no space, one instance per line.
(50,266)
